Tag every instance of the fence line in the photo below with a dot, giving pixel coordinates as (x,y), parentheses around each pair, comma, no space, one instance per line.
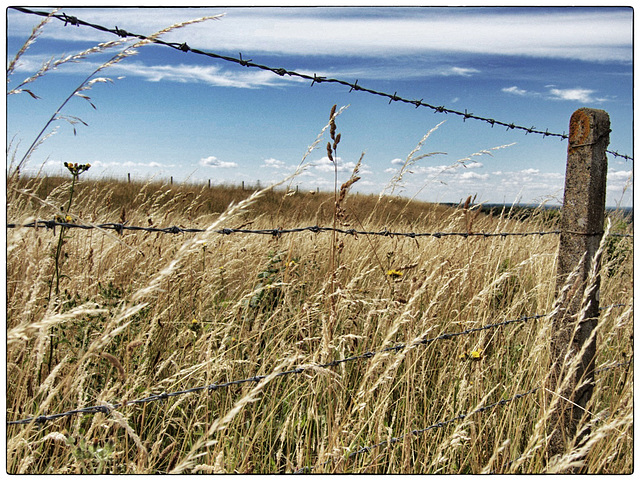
(441,424)
(277,232)
(418,432)
(71,20)
(578,131)
(106,408)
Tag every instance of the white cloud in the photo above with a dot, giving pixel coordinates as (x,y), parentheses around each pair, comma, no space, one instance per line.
(213,75)
(529,171)
(576,94)
(397,162)
(619,175)
(212,161)
(325,165)
(553,93)
(129,163)
(356,32)
(515,90)
(473,175)
(474,165)
(273,163)
(460,71)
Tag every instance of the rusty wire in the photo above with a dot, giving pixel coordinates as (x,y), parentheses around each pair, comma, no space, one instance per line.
(277,232)
(315,79)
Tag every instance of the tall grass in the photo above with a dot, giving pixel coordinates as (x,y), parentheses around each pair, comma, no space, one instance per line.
(138,314)
(231,307)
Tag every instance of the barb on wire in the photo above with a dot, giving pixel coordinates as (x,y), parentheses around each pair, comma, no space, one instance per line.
(614,366)
(277,232)
(313,78)
(298,370)
(418,432)
(105,409)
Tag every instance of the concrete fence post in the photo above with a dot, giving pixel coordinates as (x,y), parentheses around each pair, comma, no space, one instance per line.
(581,228)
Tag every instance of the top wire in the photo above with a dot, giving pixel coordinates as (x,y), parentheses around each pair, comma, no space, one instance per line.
(71,20)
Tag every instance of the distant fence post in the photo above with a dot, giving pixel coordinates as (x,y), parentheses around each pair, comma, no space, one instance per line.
(581,232)
(129,177)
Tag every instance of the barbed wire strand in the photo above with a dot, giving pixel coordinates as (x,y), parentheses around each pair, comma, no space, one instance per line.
(71,20)
(597,371)
(441,424)
(120,228)
(106,408)
(418,432)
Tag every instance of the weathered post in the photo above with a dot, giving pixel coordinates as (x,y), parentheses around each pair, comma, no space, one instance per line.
(129,177)
(209,183)
(172,180)
(581,232)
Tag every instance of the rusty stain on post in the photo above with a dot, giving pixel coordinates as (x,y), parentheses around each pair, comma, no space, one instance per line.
(581,232)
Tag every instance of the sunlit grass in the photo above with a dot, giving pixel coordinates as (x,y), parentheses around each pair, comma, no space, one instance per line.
(141,314)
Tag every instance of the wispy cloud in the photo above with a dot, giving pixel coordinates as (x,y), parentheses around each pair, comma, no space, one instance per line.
(372,32)
(273,163)
(576,94)
(325,165)
(515,91)
(210,75)
(212,161)
(213,75)
(459,71)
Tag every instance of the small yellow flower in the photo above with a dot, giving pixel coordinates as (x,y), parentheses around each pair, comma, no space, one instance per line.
(68,218)
(394,274)
(476,354)
(194,321)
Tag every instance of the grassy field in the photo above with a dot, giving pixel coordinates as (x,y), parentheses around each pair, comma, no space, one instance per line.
(95,317)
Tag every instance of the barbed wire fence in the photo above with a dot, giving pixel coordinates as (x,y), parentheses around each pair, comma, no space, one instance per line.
(277,232)
(315,79)
(106,408)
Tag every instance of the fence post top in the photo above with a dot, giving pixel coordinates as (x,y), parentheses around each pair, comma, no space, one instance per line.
(587,126)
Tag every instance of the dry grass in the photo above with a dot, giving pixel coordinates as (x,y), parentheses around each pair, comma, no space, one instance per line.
(146,313)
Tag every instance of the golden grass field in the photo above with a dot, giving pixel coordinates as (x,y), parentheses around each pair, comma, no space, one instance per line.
(97,317)
(142,313)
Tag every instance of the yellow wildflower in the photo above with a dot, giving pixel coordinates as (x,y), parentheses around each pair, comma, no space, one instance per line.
(476,354)
(394,274)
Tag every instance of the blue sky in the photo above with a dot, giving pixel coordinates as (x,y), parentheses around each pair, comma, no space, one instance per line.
(170,113)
